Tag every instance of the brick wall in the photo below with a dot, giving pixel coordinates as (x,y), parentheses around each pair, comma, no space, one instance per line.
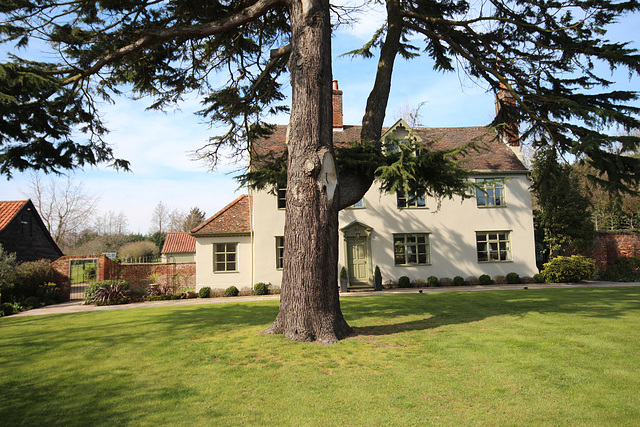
(136,274)
(609,246)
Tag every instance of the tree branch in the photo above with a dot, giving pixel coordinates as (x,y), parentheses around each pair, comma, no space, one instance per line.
(192,31)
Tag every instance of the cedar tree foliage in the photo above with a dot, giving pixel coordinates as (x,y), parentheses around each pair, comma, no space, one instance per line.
(546,55)
(561,211)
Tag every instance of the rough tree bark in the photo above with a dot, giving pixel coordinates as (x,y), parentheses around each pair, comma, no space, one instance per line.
(309,302)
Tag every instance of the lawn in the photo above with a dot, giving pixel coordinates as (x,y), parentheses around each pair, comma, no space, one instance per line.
(525,357)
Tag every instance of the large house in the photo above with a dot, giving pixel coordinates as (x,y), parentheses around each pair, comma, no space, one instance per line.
(23,232)
(405,235)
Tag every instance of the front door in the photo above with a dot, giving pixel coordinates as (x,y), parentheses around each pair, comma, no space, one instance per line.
(357,259)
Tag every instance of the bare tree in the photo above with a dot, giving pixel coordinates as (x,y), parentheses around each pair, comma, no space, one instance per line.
(409,113)
(176,220)
(63,205)
(159,218)
(112,223)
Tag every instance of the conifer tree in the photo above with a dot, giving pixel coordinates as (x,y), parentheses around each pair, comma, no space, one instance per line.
(544,54)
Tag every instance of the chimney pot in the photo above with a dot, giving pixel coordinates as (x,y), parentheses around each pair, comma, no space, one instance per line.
(336,103)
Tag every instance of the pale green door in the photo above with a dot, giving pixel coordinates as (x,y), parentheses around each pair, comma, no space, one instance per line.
(358,260)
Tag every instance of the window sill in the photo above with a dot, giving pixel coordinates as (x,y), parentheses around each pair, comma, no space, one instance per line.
(496,262)
(412,265)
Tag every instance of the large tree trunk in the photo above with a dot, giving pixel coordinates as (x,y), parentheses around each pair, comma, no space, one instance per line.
(309,302)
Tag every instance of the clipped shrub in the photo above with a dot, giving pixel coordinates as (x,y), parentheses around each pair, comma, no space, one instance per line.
(513,279)
(499,280)
(458,281)
(564,269)
(471,281)
(538,278)
(204,292)
(260,289)
(231,291)
(245,291)
(6,309)
(485,280)
(389,284)
(419,283)
(404,282)
(274,290)
(31,302)
(217,293)
(446,281)
(527,280)
(343,273)
(376,272)
(432,281)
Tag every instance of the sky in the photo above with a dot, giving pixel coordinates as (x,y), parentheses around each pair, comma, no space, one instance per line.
(158,145)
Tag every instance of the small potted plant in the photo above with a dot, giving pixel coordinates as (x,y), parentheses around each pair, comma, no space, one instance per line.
(377,279)
(344,280)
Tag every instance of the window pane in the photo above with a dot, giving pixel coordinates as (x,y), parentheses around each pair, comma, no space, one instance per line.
(231,266)
(411,249)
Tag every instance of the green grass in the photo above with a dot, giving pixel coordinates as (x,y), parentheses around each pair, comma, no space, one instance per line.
(528,357)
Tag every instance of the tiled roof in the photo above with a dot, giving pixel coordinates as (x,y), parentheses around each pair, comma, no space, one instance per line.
(179,243)
(492,153)
(233,218)
(8,210)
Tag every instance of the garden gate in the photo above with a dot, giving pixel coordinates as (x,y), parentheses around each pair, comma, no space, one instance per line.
(81,273)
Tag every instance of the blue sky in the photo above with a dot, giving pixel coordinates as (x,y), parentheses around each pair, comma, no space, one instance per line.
(158,144)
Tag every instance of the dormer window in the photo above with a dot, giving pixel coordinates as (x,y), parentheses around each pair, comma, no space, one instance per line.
(490,192)
(359,204)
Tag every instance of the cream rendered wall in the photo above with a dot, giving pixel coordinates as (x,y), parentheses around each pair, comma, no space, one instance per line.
(452,232)
(205,276)
(179,257)
(268,222)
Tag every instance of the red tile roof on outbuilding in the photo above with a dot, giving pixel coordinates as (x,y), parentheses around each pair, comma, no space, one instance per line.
(176,243)
(8,210)
(234,218)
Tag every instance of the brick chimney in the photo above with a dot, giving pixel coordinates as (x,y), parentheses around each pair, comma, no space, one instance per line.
(510,133)
(337,106)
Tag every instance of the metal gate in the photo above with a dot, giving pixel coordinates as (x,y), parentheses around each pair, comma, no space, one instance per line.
(81,273)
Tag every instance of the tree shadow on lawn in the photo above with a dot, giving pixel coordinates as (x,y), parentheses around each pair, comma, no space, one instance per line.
(451,308)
